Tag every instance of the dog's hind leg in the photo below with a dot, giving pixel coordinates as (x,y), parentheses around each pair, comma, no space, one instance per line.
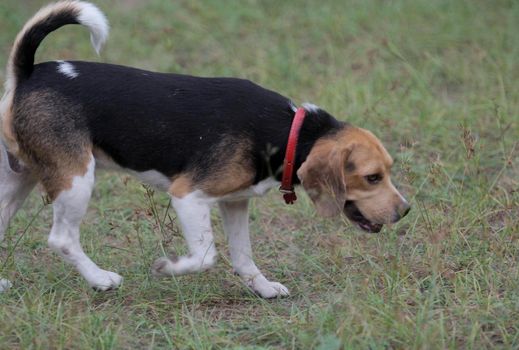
(16,182)
(70,205)
(236,225)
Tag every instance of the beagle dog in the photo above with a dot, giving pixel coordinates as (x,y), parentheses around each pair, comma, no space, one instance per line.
(204,141)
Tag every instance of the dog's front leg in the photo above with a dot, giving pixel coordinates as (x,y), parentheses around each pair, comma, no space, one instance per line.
(16,182)
(194,213)
(236,224)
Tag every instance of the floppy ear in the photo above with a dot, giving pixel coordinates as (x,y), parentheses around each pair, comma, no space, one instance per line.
(322,176)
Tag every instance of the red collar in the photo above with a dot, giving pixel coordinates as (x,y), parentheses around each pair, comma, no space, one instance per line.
(290,154)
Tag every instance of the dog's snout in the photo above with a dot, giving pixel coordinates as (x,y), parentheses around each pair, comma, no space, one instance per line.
(401,211)
(404,209)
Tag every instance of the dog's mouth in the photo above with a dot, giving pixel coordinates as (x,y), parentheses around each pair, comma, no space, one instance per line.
(353,213)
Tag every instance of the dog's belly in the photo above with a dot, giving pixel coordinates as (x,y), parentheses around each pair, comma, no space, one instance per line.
(153,178)
(150,177)
(163,183)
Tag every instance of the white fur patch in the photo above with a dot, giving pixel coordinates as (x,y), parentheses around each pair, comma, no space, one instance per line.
(310,107)
(67,69)
(236,225)
(5,285)
(69,208)
(91,17)
(194,213)
(262,187)
(14,188)
(257,190)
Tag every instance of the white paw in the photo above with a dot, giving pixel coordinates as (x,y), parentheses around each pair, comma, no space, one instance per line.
(5,285)
(267,289)
(175,266)
(105,280)
(163,267)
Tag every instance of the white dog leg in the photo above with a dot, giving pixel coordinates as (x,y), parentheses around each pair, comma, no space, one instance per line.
(194,214)
(236,224)
(16,182)
(69,208)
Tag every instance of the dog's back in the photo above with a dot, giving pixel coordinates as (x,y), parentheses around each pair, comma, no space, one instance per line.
(115,108)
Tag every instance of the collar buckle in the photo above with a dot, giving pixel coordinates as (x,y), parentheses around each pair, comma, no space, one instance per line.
(286,190)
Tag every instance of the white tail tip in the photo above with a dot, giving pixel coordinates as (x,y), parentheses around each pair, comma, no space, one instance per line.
(92,17)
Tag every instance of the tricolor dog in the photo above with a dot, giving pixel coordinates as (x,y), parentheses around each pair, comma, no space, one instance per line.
(205,141)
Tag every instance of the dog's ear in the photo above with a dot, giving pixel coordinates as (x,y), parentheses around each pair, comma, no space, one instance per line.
(323,177)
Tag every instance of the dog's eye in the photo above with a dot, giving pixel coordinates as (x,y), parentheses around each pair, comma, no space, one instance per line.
(373,178)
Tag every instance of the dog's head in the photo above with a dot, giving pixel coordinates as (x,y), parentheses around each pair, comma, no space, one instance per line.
(350,172)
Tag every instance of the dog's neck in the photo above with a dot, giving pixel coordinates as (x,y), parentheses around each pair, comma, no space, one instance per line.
(317,124)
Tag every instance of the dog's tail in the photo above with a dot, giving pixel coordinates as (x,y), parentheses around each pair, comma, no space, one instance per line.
(45,21)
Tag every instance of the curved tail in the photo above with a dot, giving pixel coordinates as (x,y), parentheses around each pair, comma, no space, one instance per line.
(45,21)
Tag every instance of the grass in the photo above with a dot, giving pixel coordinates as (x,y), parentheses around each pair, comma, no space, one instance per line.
(435,80)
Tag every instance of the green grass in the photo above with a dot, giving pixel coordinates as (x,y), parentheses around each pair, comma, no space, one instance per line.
(435,80)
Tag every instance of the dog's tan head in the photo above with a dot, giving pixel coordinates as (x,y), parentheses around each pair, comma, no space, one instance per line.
(350,172)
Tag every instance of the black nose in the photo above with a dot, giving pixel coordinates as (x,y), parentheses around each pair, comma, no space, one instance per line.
(405,210)
(402,211)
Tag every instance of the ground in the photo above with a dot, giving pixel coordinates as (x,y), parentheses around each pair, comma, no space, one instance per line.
(435,80)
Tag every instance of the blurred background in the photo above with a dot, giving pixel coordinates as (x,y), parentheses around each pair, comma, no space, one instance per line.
(437,81)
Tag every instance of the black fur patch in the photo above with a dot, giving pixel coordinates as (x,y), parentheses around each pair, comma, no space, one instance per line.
(174,123)
(24,59)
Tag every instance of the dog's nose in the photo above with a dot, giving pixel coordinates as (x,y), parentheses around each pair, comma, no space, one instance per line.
(404,209)
(401,211)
